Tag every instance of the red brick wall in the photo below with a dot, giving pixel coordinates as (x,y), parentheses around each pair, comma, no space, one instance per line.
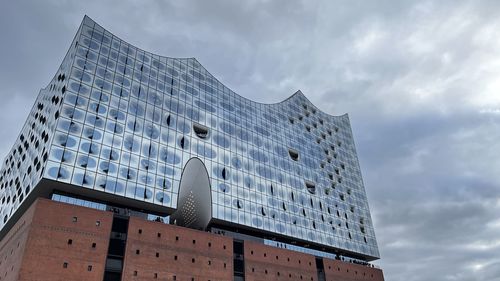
(12,247)
(212,254)
(270,263)
(47,248)
(339,270)
(37,247)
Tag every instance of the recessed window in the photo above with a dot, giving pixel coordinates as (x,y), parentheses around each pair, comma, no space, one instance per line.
(140,231)
(175,257)
(135,272)
(182,142)
(168,120)
(225,173)
(159,234)
(93,245)
(65,265)
(70,241)
(137,252)
(294,154)
(157,254)
(200,131)
(89,268)
(311,187)
(75,219)
(97,223)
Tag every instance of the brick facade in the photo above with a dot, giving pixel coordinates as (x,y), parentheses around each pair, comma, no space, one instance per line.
(57,241)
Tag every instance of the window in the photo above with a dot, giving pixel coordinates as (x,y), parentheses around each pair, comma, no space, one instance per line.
(97,223)
(157,254)
(194,241)
(311,187)
(175,257)
(176,238)
(294,154)
(70,241)
(156,275)
(159,235)
(135,272)
(75,219)
(93,245)
(181,142)
(137,252)
(65,265)
(140,231)
(89,268)
(209,244)
(200,131)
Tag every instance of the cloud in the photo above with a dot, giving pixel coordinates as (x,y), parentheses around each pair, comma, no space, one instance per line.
(420,82)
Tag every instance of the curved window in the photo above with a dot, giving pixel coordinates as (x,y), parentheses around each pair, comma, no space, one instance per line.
(225,174)
(200,131)
(294,154)
(311,187)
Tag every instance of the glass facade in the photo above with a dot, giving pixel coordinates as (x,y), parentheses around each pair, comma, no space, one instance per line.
(120,120)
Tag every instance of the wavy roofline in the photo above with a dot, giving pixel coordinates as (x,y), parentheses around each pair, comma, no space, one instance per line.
(297,93)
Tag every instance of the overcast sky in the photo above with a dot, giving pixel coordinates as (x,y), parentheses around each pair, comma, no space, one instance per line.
(420,81)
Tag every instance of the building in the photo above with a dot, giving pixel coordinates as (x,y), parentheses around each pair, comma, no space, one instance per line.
(250,191)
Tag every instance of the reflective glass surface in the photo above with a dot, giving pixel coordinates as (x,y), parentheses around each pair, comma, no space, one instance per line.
(125,121)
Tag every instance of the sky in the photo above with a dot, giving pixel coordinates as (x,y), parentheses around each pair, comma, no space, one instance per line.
(420,81)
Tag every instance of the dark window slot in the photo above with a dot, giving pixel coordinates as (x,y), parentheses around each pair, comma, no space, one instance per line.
(200,131)
(294,154)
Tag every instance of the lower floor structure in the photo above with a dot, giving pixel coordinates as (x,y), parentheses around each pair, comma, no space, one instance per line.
(59,241)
